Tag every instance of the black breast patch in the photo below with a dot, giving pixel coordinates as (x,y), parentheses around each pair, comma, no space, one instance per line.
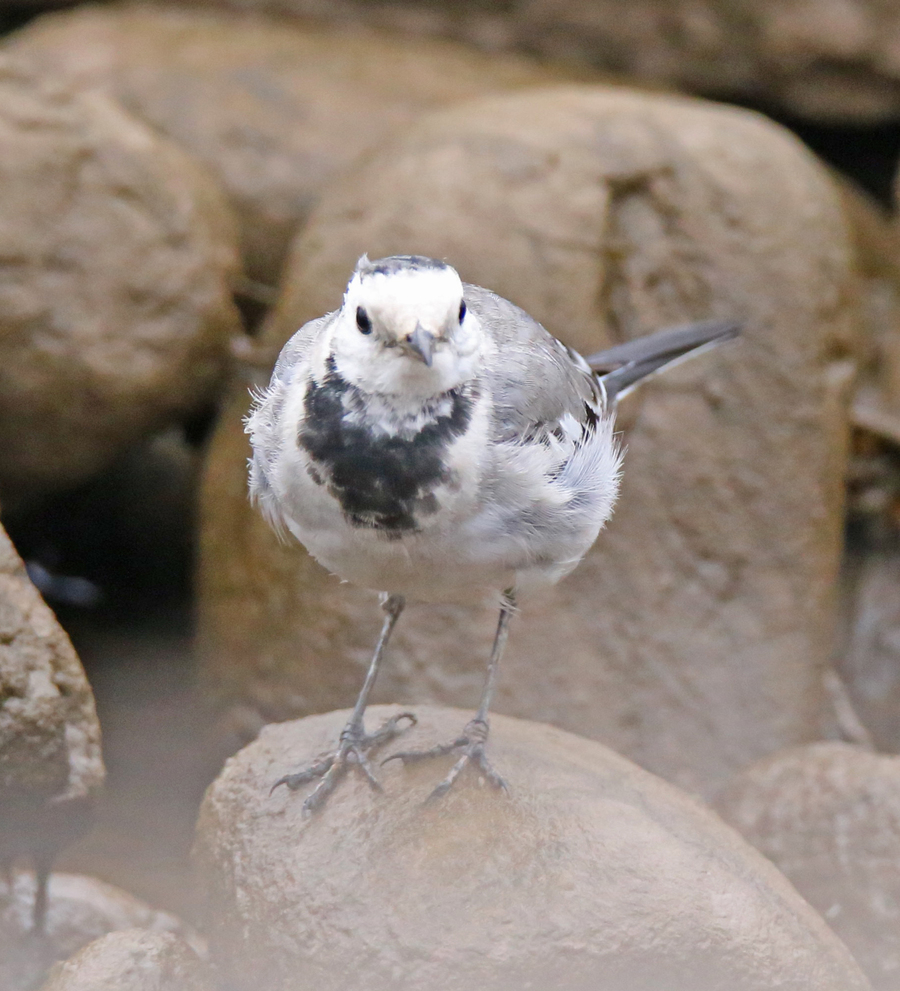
(382,481)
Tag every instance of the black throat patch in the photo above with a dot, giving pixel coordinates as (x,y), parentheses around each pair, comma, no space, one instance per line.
(382,482)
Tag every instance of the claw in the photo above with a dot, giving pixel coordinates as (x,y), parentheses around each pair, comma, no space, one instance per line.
(354,743)
(411,756)
(294,781)
(492,776)
(471,743)
(390,729)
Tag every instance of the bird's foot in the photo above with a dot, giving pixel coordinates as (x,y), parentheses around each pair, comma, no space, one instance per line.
(354,745)
(471,743)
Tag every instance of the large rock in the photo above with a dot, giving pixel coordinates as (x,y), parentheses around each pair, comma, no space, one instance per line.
(50,762)
(694,635)
(275,110)
(828,815)
(829,60)
(79,911)
(590,874)
(133,960)
(115,303)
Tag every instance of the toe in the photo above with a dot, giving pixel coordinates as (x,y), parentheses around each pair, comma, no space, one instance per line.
(363,763)
(447,783)
(326,786)
(412,756)
(294,781)
(391,729)
(486,768)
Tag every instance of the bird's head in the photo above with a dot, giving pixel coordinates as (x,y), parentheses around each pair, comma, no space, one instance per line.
(404,327)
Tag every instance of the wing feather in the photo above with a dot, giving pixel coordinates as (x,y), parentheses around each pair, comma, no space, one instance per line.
(541,389)
(264,423)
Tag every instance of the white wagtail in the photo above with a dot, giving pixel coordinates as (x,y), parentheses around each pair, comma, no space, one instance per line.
(432,441)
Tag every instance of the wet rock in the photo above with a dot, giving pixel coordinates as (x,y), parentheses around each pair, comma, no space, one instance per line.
(829,60)
(693,636)
(590,873)
(79,911)
(274,110)
(50,762)
(828,816)
(133,960)
(115,303)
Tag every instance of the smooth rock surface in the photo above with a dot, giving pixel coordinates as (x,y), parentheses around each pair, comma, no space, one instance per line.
(828,60)
(80,909)
(828,815)
(693,637)
(133,960)
(51,767)
(115,303)
(590,874)
(274,110)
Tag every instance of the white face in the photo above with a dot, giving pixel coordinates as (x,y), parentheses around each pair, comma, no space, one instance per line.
(405,330)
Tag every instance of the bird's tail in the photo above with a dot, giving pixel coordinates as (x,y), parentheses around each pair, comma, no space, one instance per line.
(624,366)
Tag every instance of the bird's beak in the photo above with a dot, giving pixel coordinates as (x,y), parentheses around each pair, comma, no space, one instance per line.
(421,343)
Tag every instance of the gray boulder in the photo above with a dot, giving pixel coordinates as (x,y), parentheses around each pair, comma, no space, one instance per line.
(590,875)
(274,110)
(828,816)
(133,960)
(116,312)
(51,768)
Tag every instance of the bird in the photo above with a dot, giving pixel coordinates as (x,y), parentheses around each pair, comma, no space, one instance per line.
(432,441)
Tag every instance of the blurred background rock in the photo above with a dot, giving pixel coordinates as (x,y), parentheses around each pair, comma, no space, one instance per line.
(133,960)
(182,185)
(828,815)
(274,110)
(80,910)
(118,255)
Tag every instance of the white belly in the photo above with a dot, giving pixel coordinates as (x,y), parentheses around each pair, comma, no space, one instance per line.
(466,552)
(487,516)
(444,558)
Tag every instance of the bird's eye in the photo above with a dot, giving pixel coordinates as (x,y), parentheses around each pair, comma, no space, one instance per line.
(462,311)
(363,321)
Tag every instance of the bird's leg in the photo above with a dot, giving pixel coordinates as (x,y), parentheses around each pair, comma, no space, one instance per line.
(354,741)
(474,736)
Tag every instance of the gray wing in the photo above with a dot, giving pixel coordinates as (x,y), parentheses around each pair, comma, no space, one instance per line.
(263,423)
(535,380)
(554,473)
